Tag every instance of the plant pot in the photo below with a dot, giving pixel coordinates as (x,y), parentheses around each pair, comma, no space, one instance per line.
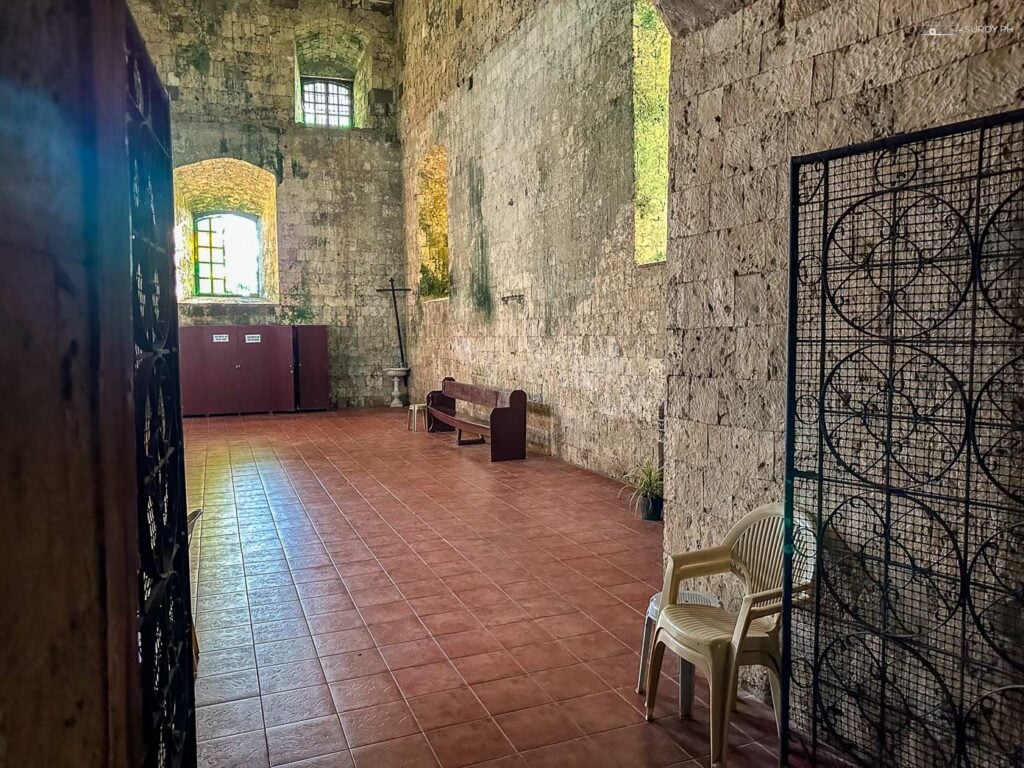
(650,507)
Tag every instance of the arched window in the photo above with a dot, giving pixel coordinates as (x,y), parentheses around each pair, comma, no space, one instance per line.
(227,261)
(225,232)
(327,101)
(333,75)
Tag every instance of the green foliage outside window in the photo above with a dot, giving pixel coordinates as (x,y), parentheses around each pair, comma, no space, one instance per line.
(651,67)
(432,201)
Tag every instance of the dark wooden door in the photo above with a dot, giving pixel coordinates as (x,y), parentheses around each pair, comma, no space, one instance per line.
(253,362)
(193,373)
(314,378)
(165,613)
(280,369)
(220,368)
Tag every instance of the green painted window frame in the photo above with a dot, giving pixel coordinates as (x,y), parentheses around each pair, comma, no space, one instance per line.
(335,110)
(211,250)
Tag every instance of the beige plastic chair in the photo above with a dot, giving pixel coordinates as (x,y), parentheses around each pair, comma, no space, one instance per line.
(685,667)
(717,641)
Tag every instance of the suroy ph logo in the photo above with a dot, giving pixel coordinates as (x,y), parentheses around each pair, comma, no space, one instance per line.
(948,29)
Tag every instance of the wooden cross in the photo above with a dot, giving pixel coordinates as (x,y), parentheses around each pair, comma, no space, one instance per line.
(398,323)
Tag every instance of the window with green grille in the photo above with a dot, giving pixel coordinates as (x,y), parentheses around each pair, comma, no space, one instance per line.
(227,255)
(327,101)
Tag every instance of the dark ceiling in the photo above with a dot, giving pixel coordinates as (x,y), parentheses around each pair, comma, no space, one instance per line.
(684,16)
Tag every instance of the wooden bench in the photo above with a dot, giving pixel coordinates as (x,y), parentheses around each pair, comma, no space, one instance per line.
(505,425)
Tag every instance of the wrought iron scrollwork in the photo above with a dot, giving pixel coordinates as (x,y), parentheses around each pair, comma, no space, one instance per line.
(905,441)
(165,621)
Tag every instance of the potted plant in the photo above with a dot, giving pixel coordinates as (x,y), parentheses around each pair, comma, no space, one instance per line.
(647,489)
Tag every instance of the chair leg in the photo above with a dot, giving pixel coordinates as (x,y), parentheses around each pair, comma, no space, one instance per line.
(720,711)
(653,673)
(645,651)
(685,688)
(773,680)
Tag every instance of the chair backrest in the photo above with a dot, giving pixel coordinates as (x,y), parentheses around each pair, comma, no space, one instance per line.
(757,542)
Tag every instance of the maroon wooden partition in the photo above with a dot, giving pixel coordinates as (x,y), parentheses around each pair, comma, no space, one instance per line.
(280,368)
(313,373)
(253,370)
(220,369)
(237,369)
(192,355)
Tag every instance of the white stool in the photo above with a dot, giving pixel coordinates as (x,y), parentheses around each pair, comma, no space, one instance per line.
(414,415)
(685,667)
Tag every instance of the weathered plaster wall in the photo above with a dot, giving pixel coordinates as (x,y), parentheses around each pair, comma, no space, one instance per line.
(230,68)
(748,93)
(533,102)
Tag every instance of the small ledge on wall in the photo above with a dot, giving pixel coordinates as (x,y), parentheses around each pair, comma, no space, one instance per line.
(228,310)
(226,301)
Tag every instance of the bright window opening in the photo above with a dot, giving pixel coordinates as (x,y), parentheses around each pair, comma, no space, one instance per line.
(652,63)
(432,202)
(227,259)
(327,102)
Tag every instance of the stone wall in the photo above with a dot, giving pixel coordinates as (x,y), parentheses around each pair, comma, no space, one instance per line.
(747,93)
(533,102)
(230,69)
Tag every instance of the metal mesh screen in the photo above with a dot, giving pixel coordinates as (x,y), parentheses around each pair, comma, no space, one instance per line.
(905,441)
(165,621)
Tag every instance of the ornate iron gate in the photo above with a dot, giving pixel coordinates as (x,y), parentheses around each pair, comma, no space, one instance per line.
(905,439)
(165,620)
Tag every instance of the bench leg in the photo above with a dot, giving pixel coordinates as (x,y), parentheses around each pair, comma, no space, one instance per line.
(460,441)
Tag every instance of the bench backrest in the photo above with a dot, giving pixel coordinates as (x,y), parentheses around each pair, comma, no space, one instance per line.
(475,393)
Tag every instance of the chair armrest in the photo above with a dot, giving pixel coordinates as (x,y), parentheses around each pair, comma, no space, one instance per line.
(757,605)
(768,601)
(764,603)
(692,565)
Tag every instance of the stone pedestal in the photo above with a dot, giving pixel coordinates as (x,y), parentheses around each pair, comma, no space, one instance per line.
(396,375)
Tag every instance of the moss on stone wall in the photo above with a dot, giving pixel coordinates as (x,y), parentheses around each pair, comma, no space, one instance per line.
(195,55)
(651,67)
(297,304)
(480,266)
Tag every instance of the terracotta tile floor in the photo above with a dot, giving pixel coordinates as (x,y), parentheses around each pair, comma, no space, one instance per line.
(370,596)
